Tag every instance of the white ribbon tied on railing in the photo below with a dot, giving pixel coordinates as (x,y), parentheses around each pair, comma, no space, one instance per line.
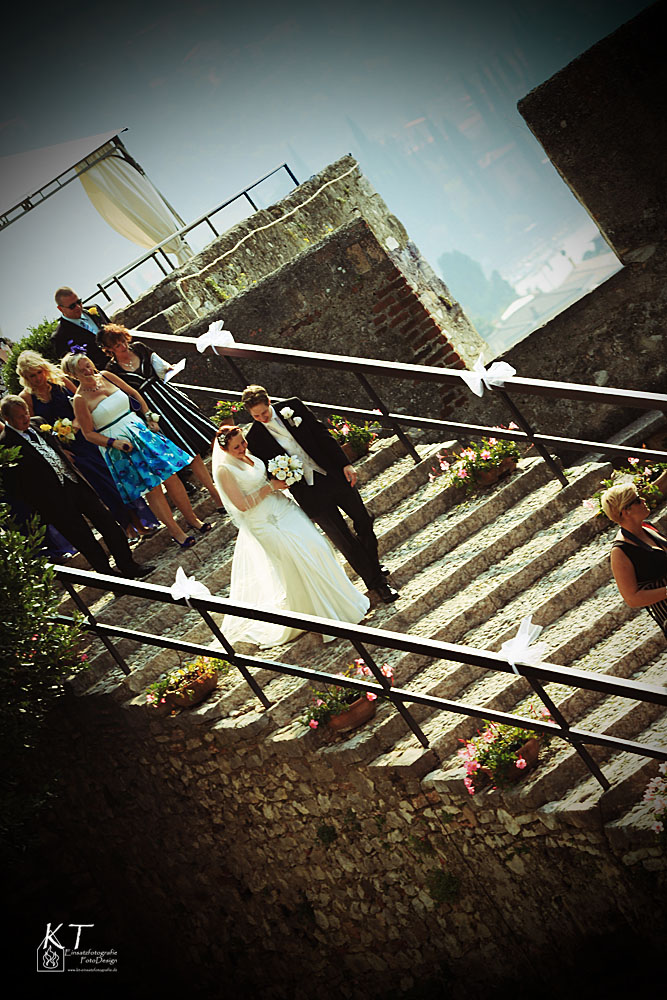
(517,649)
(215,336)
(480,376)
(187,586)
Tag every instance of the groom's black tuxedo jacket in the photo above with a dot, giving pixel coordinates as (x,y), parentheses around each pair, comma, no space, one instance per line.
(313,437)
(34,480)
(66,331)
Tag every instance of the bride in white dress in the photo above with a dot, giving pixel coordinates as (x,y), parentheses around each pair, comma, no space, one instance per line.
(281,561)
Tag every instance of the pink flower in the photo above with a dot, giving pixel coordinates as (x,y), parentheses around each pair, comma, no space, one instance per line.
(657,827)
(469,785)
(512,426)
(493,441)
(84,657)
(647,471)
(485,454)
(489,736)
(462,473)
(150,698)
(313,723)
(468,453)
(359,662)
(589,504)
(520,763)
(444,465)
(318,702)
(633,461)
(366,671)
(387,670)
(345,429)
(371,696)
(431,477)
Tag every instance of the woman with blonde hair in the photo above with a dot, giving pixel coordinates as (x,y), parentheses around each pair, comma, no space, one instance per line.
(48,393)
(139,459)
(639,552)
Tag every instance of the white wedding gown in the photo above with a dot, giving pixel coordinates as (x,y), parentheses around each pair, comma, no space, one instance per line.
(281,561)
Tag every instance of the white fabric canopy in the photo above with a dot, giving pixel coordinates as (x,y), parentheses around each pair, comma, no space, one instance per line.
(130,204)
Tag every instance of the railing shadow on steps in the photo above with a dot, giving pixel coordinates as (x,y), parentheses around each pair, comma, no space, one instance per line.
(360,637)
(447,378)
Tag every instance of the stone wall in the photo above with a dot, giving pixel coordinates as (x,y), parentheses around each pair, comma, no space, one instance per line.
(346,295)
(281,868)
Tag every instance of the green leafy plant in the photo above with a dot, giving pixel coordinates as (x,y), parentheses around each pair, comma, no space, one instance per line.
(327,834)
(466,469)
(334,699)
(179,680)
(495,753)
(639,472)
(225,410)
(358,437)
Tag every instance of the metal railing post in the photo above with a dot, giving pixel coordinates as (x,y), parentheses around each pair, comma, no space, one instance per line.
(93,622)
(528,430)
(412,451)
(233,658)
(396,702)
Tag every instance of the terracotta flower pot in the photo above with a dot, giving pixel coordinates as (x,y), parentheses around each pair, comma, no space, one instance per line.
(194,692)
(360,711)
(352,454)
(530,752)
(486,477)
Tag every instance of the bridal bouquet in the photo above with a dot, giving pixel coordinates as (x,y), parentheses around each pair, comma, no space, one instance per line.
(287,468)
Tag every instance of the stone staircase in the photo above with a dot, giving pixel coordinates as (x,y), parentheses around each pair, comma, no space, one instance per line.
(468,570)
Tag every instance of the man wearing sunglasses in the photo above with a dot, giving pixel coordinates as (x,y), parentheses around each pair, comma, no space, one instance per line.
(78,326)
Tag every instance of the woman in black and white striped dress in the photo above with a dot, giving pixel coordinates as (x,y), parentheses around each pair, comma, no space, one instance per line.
(639,552)
(180,420)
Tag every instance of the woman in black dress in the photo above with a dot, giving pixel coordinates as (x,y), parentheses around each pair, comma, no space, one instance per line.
(639,552)
(180,420)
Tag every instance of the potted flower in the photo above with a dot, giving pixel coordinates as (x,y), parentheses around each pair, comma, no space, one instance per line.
(341,709)
(479,464)
(500,754)
(655,797)
(355,440)
(642,474)
(227,412)
(187,685)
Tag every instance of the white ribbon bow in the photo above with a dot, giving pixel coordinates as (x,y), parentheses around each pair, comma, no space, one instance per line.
(480,376)
(187,586)
(517,648)
(215,336)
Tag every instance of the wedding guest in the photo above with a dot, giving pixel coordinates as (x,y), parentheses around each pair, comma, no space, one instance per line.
(328,484)
(183,422)
(48,393)
(138,457)
(77,326)
(639,551)
(45,479)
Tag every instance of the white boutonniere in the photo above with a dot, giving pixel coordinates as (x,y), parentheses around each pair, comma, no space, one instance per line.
(288,416)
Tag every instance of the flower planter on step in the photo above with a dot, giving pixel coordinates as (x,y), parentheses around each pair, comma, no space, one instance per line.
(487,477)
(360,711)
(352,454)
(192,694)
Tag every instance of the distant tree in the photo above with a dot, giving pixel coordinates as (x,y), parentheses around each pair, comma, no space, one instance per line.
(484,299)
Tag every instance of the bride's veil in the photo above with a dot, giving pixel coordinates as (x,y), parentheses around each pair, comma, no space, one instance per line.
(255,580)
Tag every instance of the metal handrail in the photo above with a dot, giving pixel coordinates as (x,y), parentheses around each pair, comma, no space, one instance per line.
(362,635)
(447,378)
(159,248)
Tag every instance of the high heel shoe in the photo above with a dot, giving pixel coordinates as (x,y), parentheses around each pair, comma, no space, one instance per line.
(188,543)
(205,528)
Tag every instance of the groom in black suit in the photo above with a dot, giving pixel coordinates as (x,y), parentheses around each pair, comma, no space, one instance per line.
(78,326)
(328,483)
(45,480)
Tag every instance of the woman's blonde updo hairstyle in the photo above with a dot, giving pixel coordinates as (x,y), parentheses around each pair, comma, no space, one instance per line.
(31,361)
(70,361)
(616,498)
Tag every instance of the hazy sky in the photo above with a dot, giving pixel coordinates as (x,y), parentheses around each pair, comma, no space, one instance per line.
(214,95)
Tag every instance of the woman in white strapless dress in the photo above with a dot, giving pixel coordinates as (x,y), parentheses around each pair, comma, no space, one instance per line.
(281,561)
(138,458)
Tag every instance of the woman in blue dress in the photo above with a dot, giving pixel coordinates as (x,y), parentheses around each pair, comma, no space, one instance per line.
(138,457)
(48,394)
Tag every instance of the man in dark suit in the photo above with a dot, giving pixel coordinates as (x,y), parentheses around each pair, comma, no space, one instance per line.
(47,482)
(328,485)
(78,326)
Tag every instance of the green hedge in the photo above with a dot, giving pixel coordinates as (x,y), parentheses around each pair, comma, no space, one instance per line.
(39,339)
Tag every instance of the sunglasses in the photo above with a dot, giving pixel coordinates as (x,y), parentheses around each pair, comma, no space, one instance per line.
(632,503)
(73,305)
